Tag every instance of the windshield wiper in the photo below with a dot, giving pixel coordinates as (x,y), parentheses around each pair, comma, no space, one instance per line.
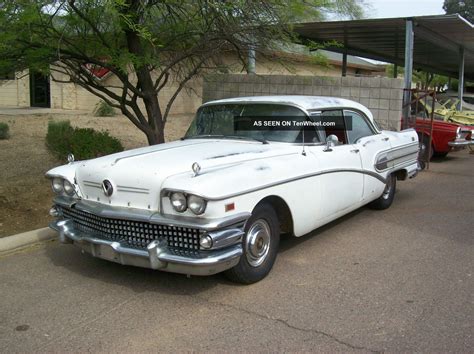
(263,141)
(209,136)
(202,136)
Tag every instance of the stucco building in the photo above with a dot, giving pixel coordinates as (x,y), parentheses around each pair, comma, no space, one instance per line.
(25,89)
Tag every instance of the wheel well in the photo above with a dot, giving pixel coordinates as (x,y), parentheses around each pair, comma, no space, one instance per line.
(283,212)
(401,175)
(426,135)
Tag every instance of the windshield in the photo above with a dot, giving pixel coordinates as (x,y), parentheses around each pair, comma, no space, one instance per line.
(222,121)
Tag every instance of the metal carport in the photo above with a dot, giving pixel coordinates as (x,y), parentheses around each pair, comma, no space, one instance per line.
(439,44)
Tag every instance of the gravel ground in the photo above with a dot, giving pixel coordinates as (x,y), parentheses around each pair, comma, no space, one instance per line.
(25,195)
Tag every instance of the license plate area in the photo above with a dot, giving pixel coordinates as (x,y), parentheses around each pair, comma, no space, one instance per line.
(106,252)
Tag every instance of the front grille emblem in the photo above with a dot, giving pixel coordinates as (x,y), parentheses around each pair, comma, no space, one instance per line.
(107,187)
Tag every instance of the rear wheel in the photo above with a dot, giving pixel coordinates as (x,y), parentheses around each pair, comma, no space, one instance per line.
(260,246)
(386,199)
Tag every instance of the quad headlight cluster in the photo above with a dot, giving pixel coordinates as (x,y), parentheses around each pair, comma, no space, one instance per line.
(181,202)
(61,185)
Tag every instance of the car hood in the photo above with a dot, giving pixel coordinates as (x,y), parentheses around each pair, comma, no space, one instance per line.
(441,125)
(137,175)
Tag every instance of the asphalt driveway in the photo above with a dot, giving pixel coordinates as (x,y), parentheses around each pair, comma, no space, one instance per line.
(394,280)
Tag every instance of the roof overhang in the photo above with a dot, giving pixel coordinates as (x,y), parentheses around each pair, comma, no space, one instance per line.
(438,40)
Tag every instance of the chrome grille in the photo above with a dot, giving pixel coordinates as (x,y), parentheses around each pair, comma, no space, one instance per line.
(136,234)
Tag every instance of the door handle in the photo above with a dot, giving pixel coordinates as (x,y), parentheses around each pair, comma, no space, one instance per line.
(385,139)
(355,151)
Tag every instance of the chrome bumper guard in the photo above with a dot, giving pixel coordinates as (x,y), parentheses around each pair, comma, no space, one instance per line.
(156,256)
(461,143)
(224,255)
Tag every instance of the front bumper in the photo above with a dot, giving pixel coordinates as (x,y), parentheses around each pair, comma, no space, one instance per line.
(157,254)
(459,143)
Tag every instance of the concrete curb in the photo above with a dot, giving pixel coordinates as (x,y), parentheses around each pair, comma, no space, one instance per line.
(12,243)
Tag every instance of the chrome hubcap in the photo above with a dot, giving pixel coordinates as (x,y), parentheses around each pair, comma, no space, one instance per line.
(257,243)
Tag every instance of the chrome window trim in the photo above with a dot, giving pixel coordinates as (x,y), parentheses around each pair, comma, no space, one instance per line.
(366,119)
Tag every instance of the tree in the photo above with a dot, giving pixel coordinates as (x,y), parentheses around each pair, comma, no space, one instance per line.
(147,44)
(424,80)
(463,7)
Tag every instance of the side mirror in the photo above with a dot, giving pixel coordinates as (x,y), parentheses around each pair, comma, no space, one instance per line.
(331,141)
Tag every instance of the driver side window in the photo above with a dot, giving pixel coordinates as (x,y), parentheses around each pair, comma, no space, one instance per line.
(357,126)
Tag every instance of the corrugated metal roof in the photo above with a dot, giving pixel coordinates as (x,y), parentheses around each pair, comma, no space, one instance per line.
(437,40)
(352,61)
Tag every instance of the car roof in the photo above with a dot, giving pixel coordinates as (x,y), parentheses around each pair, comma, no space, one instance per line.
(306,103)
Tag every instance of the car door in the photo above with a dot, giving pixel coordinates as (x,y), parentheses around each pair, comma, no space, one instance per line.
(339,173)
(365,138)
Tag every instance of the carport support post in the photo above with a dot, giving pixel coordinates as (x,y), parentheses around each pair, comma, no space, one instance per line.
(344,64)
(461,78)
(409,39)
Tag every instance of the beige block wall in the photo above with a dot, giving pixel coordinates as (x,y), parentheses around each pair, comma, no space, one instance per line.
(9,93)
(383,96)
(70,96)
(15,92)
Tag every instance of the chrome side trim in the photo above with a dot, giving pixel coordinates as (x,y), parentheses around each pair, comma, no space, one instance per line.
(92,184)
(166,191)
(133,190)
(388,159)
(153,217)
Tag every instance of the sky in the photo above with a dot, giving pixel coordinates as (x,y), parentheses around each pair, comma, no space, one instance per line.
(404,8)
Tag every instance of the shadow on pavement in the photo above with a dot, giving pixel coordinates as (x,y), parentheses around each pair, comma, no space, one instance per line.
(137,279)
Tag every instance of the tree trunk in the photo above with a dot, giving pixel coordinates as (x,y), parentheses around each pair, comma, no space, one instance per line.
(156,137)
(155,133)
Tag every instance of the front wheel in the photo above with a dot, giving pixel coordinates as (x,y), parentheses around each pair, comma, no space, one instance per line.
(386,199)
(441,154)
(260,246)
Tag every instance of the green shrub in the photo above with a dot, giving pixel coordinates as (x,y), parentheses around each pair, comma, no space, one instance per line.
(84,143)
(4,131)
(102,109)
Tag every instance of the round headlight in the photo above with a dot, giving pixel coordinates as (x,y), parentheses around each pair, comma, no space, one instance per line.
(178,201)
(68,188)
(57,184)
(196,204)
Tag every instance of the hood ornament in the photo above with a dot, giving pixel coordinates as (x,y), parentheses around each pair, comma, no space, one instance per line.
(107,187)
(196,168)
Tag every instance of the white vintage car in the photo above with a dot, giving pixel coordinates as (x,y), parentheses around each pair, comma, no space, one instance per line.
(219,198)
